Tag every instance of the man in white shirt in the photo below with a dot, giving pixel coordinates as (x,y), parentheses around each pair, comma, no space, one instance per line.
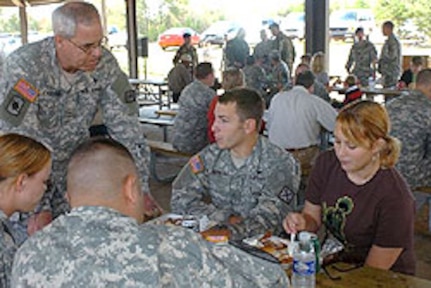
(296,119)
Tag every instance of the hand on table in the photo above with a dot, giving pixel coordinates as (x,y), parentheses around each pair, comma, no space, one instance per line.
(38,221)
(233,219)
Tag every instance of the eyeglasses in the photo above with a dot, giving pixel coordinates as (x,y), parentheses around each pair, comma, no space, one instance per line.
(88,48)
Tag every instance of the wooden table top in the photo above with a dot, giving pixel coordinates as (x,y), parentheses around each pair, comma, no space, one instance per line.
(366,277)
(171,113)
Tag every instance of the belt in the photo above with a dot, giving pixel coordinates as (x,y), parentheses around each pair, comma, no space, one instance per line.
(300,149)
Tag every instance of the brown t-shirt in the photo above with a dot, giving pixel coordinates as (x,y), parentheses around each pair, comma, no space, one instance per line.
(380,212)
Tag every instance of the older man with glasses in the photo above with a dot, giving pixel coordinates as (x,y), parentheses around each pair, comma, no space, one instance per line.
(52,89)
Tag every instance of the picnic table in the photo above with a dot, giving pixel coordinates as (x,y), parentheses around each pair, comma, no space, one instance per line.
(372,92)
(368,277)
(152,91)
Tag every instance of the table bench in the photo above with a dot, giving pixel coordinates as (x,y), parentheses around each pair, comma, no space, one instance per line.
(163,148)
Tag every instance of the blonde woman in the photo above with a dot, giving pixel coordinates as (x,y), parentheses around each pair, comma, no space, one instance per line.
(319,69)
(355,191)
(25,165)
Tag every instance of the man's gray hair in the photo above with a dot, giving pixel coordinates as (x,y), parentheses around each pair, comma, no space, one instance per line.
(66,17)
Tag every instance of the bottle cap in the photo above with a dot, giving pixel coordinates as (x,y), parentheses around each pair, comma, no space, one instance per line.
(304,236)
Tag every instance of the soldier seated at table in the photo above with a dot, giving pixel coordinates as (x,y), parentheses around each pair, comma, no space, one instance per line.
(410,116)
(101,244)
(241,181)
(190,127)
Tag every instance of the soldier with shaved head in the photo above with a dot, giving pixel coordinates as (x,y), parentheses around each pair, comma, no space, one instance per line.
(101,243)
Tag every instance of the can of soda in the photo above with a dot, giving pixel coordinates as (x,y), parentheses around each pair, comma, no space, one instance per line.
(191,223)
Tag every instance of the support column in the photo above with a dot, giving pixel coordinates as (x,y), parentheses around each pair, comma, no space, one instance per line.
(23,23)
(317,27)
(132,38)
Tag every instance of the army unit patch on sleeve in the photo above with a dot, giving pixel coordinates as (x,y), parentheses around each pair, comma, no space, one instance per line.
(196,164)
(130,96)
(26,90)
(286,195)
(14,108)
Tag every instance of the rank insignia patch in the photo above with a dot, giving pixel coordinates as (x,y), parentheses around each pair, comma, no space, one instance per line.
(196,164)
(15,106)
(26,90)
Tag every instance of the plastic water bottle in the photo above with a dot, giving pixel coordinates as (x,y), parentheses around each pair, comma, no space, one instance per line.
(304,263)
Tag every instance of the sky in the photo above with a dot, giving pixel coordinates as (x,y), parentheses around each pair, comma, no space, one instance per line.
(241,10)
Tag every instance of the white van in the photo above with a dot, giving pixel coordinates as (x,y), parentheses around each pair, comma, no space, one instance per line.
(343,23)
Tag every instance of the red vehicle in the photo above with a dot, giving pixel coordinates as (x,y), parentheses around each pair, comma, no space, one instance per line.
(173,37)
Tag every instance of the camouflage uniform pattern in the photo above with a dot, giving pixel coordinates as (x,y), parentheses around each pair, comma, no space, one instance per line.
(262,51)
(411,123)
(179,77)
(62,112)
(185,49)
(260,191)
(190,127)
(255,77)
(361,56)
(236,51)
(284,45)
(8,248)
(107,249)
(390,61)
(278,80)
(320,90)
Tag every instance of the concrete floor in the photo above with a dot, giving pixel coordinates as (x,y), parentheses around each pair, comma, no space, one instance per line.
(169,166)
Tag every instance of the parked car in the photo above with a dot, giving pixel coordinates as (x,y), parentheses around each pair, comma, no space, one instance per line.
(218,31)
(173,37)
(343,23)
(294,25)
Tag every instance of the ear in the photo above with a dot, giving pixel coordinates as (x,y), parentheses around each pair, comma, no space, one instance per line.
(130,189)
(250,126)
(20,182)
(59,40)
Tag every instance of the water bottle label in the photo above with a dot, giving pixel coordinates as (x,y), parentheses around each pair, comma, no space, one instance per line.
(304,268)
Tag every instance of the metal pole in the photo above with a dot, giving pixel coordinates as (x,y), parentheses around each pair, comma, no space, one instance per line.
(132,38)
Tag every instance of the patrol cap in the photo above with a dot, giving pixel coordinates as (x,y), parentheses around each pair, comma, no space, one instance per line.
(274,25)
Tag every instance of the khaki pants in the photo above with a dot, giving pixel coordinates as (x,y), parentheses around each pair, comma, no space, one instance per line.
(306,157)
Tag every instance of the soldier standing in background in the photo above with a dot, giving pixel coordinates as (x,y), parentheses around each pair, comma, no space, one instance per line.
(180,76)
(262,51)
(363,58)
(237,50)
(187,48)
(52,89)
(251,183)
(390,57)
(284,45)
